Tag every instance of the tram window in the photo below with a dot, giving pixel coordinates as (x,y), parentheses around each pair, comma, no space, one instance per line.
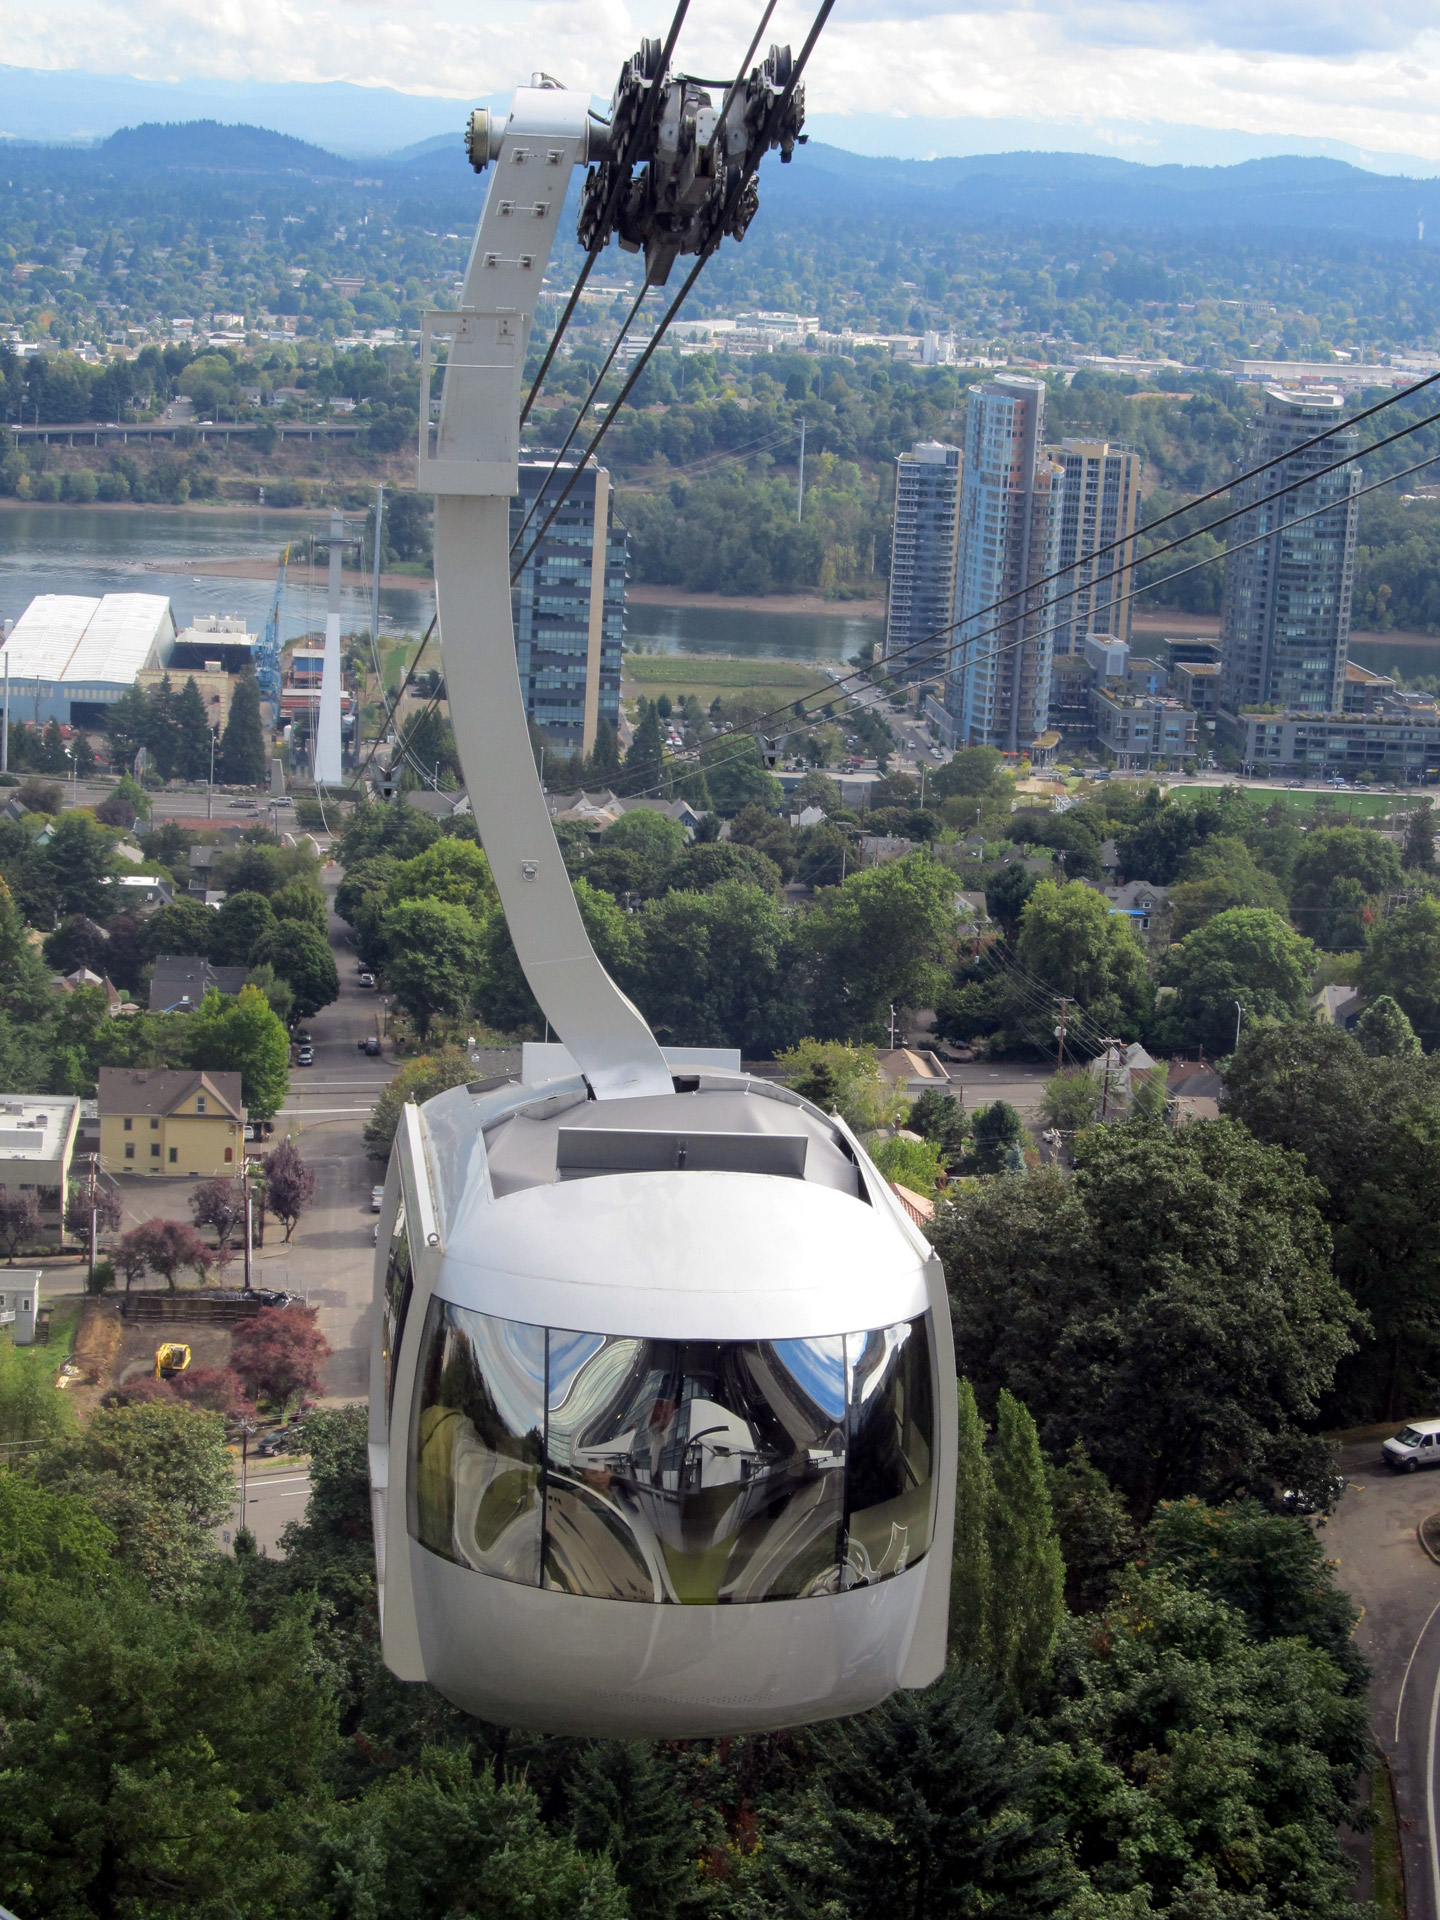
(475,1442)
(891,1438)
(398,1288)
(695,1472)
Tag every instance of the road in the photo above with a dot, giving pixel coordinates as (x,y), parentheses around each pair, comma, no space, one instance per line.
(979,1083)
(1381,1564)
(274,1496)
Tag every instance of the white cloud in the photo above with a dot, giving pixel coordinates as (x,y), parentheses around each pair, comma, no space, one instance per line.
(1294,68)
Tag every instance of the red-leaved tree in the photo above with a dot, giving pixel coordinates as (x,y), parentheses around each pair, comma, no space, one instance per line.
(103,1205)
(289,1185)
(218,1389)
(19,1222)
(279,1354)
(131,1255)
(219,1205)
(167,1246)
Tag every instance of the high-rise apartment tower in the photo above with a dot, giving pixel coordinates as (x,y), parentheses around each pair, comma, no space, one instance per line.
(997,690)
(922,559)
(569,605)
(1100,505)
(1285,620)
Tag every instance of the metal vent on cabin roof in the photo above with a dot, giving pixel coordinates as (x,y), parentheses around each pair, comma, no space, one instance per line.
(580,1151)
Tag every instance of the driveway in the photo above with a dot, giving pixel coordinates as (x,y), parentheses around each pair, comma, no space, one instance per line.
(1379,1561)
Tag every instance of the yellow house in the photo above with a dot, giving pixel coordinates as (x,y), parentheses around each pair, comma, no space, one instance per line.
(159,1120)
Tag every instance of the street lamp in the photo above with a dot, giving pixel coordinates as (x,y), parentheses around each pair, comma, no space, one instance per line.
(1239,1011)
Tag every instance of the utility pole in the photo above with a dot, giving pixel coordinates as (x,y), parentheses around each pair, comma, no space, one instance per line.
(800,492)
(210,793)
(94,1217)
(1109,1046)
(375,574)
(1065,1005)
(923,771)
(892,1026)
(1239,1011)
(5,725)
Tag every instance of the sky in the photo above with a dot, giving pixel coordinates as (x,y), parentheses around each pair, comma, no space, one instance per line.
(1191,80)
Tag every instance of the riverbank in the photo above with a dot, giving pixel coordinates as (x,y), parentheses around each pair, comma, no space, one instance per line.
(643,594)
(299,573)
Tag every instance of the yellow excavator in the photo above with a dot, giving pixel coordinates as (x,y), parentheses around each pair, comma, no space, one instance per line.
(171,1357)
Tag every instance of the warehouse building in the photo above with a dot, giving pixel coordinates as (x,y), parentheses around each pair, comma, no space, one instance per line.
(71,656)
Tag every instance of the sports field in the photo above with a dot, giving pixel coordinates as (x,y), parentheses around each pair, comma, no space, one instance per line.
(1359,806)
(711,676)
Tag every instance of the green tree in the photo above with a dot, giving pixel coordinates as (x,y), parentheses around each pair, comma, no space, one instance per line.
(704,866)
(1007,893)
(453,871)
(644,757)
(924,1811)
(303,902)
(1338,872)
(1171,1307)
(974,772)
(1246,954)
(1072,943)
(971,1576)
(998,1138)
(242,759)
(444,1838)
(81,854)
(502,994)
(1027,1576)
(626,1806)
(192,733)
(735,775)
(879,940)
(245,921)
(1219,874)
(767,833)
(1071,1101)
(159,1477)
(717,969)
(243,1036)
(1093,1526)
(31,1406)
(434,958)
(910,1163)
(1403,962)
(417,1080)
(278,993)
(51,1536)
(1417,851)
(653,838)
(185,928)
(840,1078)
(940,1118)
(1383,1029)
(303,959)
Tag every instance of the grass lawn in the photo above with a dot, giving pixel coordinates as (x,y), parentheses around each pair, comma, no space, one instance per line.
(1363,806)
(707,677)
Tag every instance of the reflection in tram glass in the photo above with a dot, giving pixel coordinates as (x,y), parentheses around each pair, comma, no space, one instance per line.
(479,1415)
(687,1472)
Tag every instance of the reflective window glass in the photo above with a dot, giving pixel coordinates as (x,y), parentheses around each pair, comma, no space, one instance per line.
(398,1286)
(475,1442)
(891,1438)
(695,1472)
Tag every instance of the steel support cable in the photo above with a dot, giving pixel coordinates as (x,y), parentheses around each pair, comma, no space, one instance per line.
(642,130)
(1041,999)
(740,74)
(732,199)
(390,710)
(698,761)
(585,406)
(1047,606)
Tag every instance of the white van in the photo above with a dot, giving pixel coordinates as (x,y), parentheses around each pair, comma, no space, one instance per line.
(1417,1445)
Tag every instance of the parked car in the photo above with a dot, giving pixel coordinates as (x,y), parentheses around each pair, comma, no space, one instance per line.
(369,1045)
(282,1440)
(259,1129)
(367,979)
(267,1296)
(377,1198)
(306,1056)
(1415,1446)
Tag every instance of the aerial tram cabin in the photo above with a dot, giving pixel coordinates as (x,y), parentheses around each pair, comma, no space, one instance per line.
(662,1414)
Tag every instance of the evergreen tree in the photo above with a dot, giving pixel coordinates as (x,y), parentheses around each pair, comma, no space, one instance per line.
(53,757)
(192,733)
(241,760)
(1027,1581)
(645,758)
(625,1803)
(970,1600)
(161,730)
(1418,848)
(1384,1029)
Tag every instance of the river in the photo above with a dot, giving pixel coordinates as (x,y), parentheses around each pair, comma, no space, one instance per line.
(95,550)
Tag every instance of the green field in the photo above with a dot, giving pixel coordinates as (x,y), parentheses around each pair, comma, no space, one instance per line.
(708,677)
(1362,806)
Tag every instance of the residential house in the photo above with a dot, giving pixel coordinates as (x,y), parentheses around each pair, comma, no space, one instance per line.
(914,1069)
(1336,1006)
(1116,1069)
(37,1144)
(1192,1092)
(84,977)
(172,1121)
(139,891)
(180,982)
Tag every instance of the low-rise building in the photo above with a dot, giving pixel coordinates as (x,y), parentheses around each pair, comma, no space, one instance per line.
(180,982)
(170,1121)
(1197,685)
(37,1144)
(1402,744)
(1365,690)
(1142,730)
(19,1303)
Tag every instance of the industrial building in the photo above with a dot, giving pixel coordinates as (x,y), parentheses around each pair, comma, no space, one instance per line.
(71,656)
(569,612)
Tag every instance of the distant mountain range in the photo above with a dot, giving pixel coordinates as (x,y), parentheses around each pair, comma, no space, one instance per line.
(1020,189)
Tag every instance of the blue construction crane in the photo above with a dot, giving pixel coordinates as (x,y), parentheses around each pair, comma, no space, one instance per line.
(267,654)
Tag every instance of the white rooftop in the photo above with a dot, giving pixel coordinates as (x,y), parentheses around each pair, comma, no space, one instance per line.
(71,637)
(36,1129)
